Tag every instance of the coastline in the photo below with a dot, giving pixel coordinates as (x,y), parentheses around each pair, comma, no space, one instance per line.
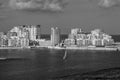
(66,48)
(86,48)
(14,47)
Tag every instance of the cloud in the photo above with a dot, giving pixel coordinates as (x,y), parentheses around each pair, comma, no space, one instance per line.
(2,5)
(52,5)
(108,3)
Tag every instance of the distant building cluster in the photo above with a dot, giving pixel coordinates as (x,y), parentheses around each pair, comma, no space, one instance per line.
(94,38)
(19,36)
(28,35)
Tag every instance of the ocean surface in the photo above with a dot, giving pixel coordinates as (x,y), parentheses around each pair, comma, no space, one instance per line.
(40,64)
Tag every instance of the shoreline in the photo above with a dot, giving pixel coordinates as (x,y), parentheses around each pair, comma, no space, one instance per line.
(66,48)
(14,48)
(86,48)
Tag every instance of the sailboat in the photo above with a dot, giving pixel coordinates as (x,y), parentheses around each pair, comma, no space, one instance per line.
(65,55)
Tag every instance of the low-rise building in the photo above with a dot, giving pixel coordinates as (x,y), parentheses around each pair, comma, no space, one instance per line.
(44,43)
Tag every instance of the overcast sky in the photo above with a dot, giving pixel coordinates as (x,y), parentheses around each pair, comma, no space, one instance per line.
(85,14)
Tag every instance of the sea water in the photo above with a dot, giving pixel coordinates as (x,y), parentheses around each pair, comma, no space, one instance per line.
(36,64)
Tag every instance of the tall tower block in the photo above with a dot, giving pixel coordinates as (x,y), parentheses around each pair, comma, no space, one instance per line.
(55,36)
(32,32)
(38,31)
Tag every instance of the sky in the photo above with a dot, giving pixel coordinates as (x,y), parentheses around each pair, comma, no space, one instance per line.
(65,14)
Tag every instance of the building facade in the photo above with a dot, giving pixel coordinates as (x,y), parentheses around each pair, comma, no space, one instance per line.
(19,36)
(55,36)
(95,38)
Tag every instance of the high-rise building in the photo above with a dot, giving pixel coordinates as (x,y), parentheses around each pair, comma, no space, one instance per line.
(55,36)
(1,38)
(32,33)
(24,42)
(75,31)
(95,38)
(4,41)
(38,31)
(80,42)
